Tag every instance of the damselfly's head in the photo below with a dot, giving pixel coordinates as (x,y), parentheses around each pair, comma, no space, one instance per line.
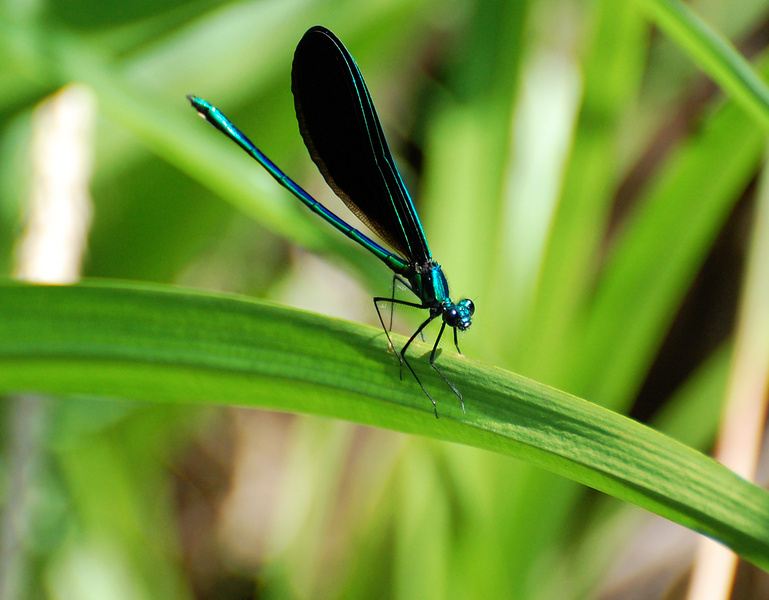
(459,315)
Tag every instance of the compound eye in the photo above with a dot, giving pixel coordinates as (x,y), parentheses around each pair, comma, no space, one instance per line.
(469,306)
(451,317)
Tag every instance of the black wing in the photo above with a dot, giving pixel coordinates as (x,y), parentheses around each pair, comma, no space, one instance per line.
(341,130)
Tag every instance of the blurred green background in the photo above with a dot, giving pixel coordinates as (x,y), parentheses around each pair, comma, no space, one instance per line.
(578,178)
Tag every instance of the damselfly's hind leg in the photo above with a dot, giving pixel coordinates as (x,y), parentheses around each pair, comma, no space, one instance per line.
(403,358)
(392,302)
(377,300)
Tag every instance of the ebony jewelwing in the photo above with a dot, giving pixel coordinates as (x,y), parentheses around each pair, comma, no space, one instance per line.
(341,130)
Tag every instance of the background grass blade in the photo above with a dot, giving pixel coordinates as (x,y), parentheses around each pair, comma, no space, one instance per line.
(715,55)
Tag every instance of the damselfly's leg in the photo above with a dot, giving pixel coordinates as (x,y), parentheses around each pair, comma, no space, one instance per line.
(407,285)
(434,366)
(456,342)
(419,332)
(405,360)
(392,302)
(377,300)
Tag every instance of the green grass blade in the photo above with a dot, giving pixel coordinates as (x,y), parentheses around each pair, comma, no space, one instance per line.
(659,251)
(715,54)
(162,344)
(611,84)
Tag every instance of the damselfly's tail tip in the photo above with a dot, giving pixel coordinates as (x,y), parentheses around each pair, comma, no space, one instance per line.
(202,107)
(196,102)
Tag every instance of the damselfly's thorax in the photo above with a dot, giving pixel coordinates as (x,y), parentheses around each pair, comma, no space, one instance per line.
(429,283)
